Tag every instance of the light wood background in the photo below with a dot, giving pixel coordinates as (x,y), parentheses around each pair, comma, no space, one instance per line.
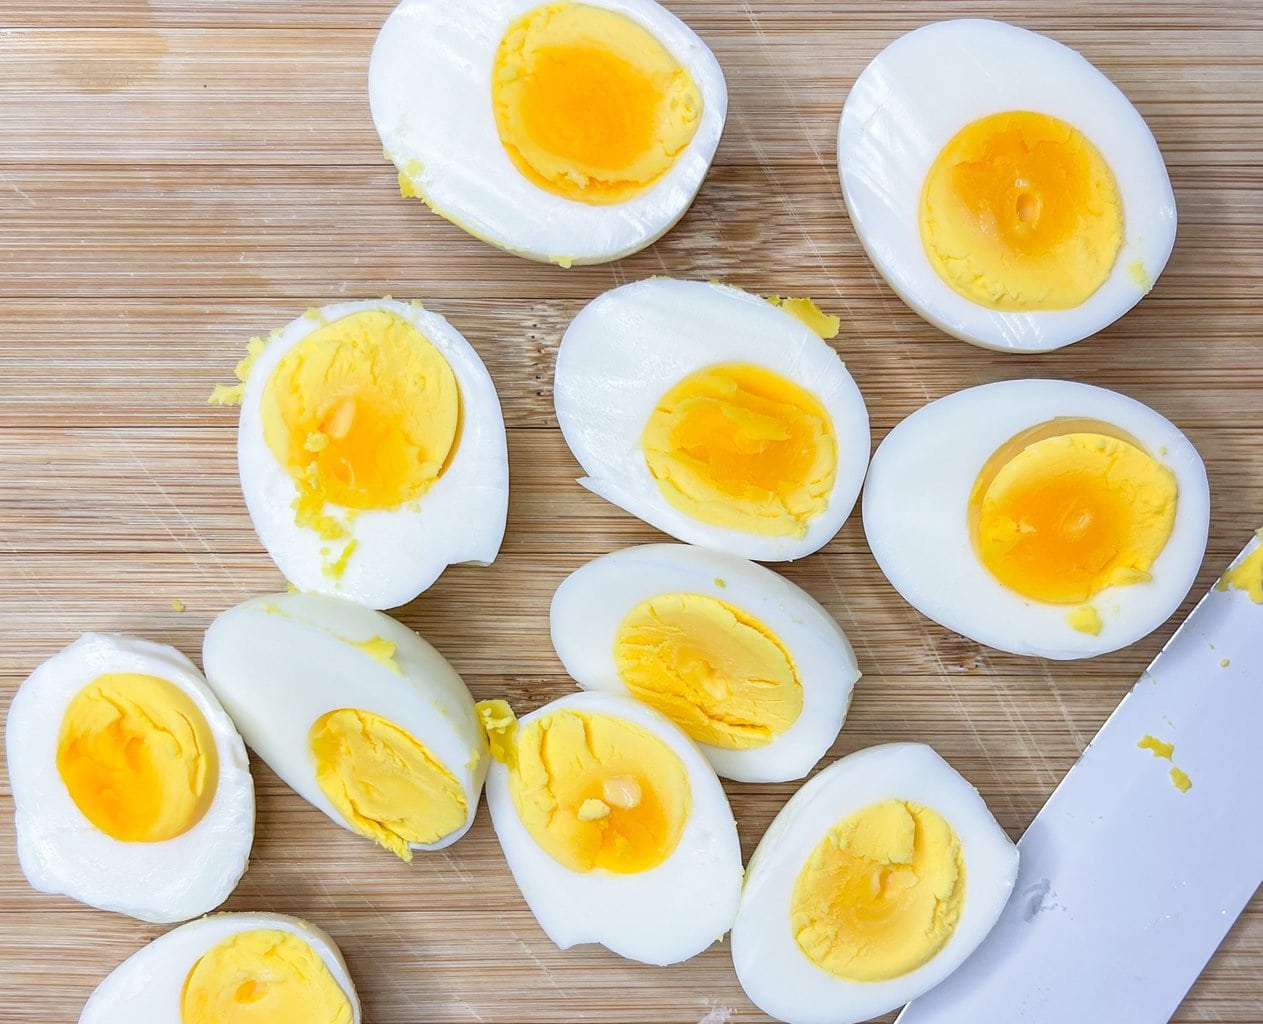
(176,176)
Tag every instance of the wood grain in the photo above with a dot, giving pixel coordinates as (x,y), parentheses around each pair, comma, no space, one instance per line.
(176,176)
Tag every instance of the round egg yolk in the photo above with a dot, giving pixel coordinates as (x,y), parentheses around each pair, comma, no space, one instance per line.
(881,894)
(1071,507)
(383,783)
(719,673)
(265,976)
(595,791)
(137,757)
(741,447)
(589,105)
(1020,212)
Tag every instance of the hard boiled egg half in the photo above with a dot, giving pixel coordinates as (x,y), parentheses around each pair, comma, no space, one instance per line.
(131,787)
(563,132)
(354,711)
(614,826)
(1039,517)
(719,417)
(1003,186)
(874,882)
(230,969)
(750,666)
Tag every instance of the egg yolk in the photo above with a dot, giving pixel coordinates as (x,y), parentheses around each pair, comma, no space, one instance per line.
(137,757)
(1019,211)
(881,894)
(598,792)
(719,673)
(589,105)
(1246,575)
(363,413)
(1070,507)
(265,976)
(741,447)
(385,784)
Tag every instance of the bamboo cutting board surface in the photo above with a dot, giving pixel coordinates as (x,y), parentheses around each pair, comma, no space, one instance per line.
(178,176)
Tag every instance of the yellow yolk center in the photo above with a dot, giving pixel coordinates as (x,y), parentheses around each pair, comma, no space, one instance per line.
(266,976)
(741,447)
(1069,508)
(1020,211)
(364,413)
(717,672)
(595,791)
(881,894)
(589,105)
(1246,575)
(137,757)
(385,784)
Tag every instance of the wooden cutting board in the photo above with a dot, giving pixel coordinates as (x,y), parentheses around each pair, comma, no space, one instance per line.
(176,176)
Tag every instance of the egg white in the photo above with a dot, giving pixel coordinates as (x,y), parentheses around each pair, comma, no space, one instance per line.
(918,93)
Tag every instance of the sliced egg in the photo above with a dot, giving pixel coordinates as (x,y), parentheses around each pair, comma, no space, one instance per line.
(750,666)
(615,827)
(230,969)
(874,882)
(371,450)
(1004,187)
(1039,517)
(563,132)
(718,417)
(131,787)
(355,712)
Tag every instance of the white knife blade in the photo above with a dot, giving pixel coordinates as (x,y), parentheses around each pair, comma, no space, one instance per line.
(1128,885)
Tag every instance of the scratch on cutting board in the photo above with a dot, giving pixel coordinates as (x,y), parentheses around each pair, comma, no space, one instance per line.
(1032,749)
(5,178)
(403,942)
(530,955)
(1077,737)
(26,575)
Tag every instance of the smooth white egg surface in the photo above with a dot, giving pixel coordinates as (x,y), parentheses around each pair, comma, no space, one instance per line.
(713,415)
(1004,187)
(355,712)
(749,665)
(1039,517)
(372,452)
(131,787)
(566,132)
(241,967)
(874,882)
(615,827)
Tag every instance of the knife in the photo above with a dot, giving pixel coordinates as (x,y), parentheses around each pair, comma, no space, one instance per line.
(1128,882)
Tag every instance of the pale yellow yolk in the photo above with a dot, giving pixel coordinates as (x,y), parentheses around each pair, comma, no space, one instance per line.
(1069,508)
(589,105)
(595,791)
(1019,211)
(266,976)
(741,447)
(137,757)
(881,894)
(720,674)
(385,784)
(1246,575)
(363,413)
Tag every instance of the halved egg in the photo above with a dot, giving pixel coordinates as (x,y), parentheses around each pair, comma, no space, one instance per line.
(131,787)
(717,416)
(874,882)
(563,132)
(1039,517)
(750,666)
(1004,187)
(354,711)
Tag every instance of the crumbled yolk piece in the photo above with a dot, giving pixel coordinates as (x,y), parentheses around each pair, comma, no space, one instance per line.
(824,324)
(500,725)
(738,446)
(1086,619)
(719,673)
(1156,747)
(1180,780)
(881,894)
(1069,508)
(384,783)
(1019,211)
(264,976)
(380,650)
(589,105)
(1246,575)
(596,791)
(137,757)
